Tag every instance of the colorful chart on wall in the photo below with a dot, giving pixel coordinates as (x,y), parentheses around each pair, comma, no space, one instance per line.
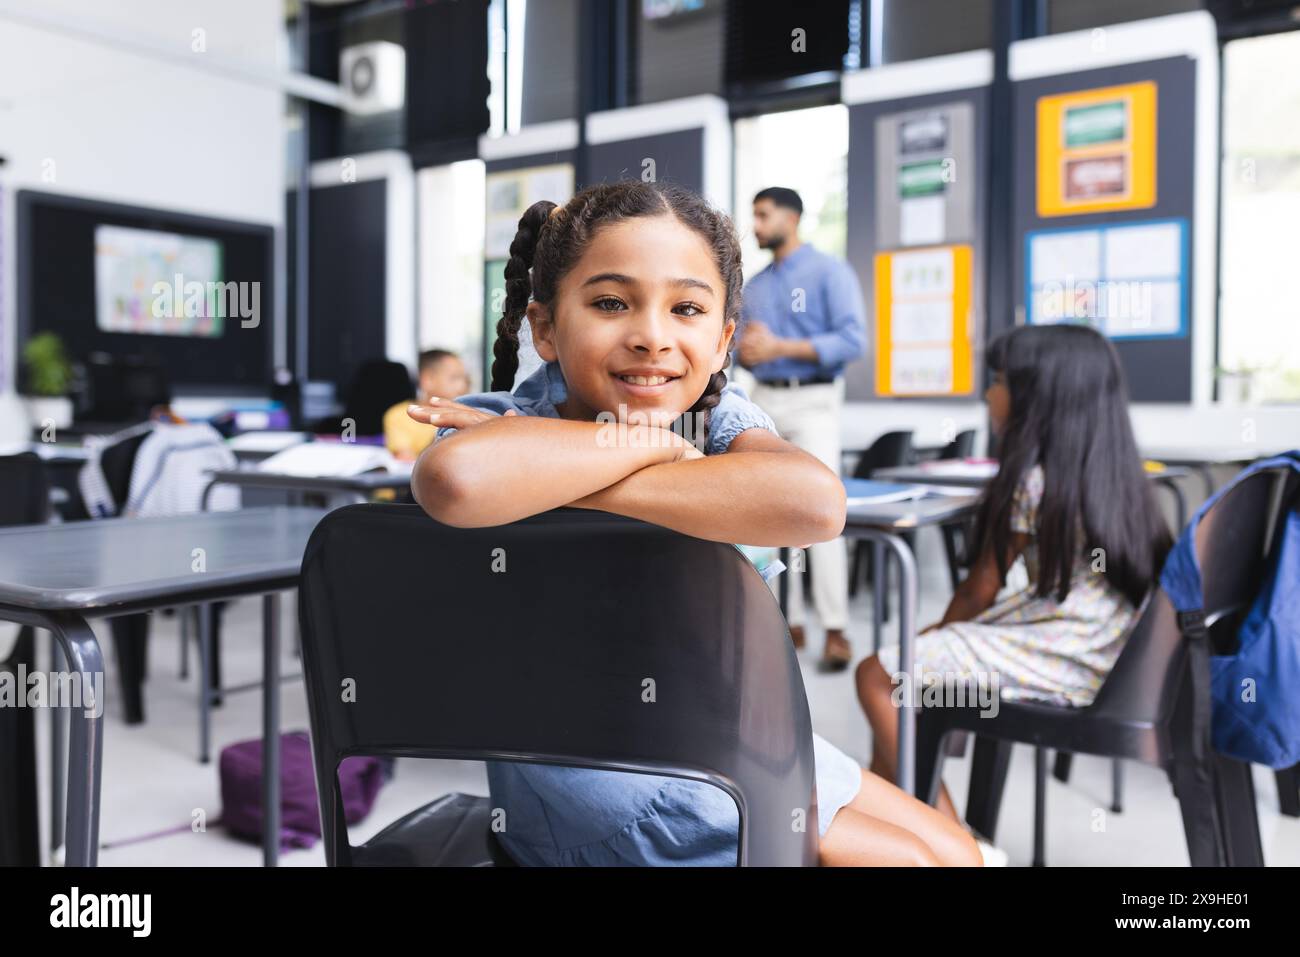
(1129,281)
(511,192)
(1097,150)
(923,321)
(924,195)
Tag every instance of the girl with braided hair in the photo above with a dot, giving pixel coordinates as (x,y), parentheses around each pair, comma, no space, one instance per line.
(632,294)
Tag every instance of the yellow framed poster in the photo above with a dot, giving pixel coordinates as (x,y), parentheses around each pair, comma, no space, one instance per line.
(923,321)
(1097,150)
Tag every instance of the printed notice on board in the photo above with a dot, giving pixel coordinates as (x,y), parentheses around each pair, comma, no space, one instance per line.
(1126,281)
(923,301)
(1097,150)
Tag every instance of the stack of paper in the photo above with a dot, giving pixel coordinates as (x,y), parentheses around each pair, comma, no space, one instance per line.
(332,459)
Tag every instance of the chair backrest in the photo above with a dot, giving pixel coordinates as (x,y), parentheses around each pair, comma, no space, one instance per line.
(1233,542)
(890,450)
(378,385)
(573,638)
(961,447)
(24,490)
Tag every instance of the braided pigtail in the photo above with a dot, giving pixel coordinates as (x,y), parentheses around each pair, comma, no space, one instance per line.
(519,290)
(695,420)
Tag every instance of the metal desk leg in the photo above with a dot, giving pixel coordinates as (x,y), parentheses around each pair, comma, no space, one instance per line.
(877,592)
(83,656)
(882,544)
(270,729)
(205,681)
(1207,476)
(1117,786)
(58,758)
(783,586)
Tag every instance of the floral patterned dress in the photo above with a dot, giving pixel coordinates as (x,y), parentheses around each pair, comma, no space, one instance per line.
(1040,649)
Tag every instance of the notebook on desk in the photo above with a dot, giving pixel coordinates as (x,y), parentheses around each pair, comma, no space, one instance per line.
(870,492)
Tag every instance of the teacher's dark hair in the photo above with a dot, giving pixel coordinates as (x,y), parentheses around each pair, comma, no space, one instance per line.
(781,196)
(1069,414)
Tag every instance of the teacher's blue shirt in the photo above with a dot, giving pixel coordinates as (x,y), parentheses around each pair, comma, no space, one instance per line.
(830,312)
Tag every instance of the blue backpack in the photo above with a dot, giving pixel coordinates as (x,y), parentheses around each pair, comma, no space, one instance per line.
(1254,694)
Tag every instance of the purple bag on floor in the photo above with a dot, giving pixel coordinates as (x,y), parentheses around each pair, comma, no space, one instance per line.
(240,767)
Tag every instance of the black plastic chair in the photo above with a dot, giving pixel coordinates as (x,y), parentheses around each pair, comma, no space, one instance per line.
(534,642)
(24,500)
(377,386)
(1143,710)
(889,451)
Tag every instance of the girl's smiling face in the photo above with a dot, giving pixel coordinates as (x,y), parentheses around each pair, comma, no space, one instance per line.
(639,321)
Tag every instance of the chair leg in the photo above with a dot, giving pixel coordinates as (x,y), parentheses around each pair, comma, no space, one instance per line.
(856,570)
(950,547)
(1040,807)
(1288,790)
(1195,789)
(184,616)
(1117,786)
(930,751)
(20,840)
(988,779)
(130,634)
(1061,767)
(1236,792)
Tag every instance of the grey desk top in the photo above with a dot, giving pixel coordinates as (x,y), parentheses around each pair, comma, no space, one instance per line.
(365,482)
(917,513)
(919,475)
(1206,454)
(96,566)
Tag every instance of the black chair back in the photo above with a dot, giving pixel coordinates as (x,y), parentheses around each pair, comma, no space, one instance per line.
(889,451)
(573,638)
(1233,542)
(961,447)
(24,490)
(377,386)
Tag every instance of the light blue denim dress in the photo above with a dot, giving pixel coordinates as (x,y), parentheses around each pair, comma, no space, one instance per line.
(575,816)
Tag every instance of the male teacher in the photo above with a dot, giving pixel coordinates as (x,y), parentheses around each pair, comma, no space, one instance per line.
(803,320)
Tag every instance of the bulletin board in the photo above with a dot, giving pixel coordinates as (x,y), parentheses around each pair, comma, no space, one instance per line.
(1097,150)
(1137,226)
(923,321)
(914,173)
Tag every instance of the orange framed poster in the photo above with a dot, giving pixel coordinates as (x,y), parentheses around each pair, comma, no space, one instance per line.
(923,321)
(1097,150)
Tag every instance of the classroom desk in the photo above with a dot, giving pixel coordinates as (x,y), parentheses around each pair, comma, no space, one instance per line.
(1202,458)
(57,576)
(360,486)
(919,475)
(883,525)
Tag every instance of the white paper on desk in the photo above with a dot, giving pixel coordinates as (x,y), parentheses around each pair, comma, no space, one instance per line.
(266,441)
(962,469)
(327,459)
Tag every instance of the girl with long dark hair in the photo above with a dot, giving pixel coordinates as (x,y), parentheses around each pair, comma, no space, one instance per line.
(1071,499)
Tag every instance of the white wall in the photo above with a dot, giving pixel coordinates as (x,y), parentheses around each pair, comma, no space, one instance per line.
(112,101)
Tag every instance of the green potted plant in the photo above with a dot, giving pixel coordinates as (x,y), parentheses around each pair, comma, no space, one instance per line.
(49,375)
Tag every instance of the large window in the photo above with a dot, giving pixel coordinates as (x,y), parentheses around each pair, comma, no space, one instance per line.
(773,150)
(1259,316)
(451,202)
